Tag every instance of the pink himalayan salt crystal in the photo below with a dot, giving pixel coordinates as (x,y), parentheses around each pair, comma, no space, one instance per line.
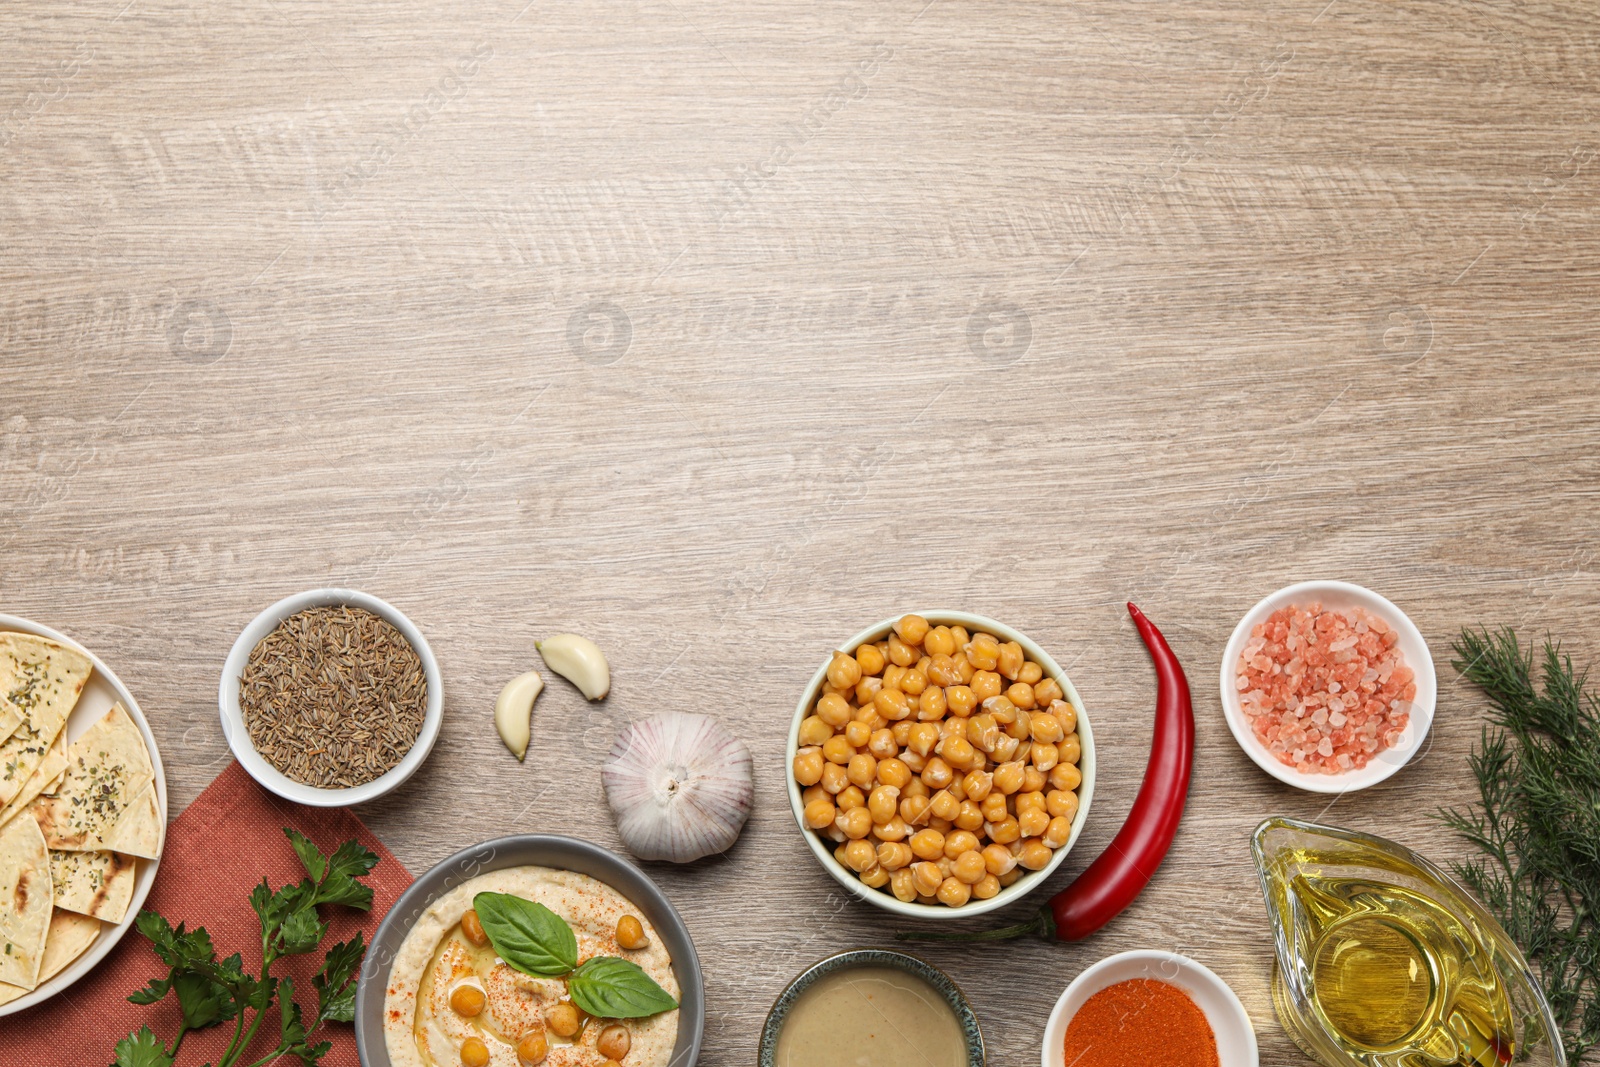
(1325,690)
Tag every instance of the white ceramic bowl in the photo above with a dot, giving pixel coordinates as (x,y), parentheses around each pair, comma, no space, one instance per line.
(1022,886)
(1334,595)
(1236,1040)
(239,737)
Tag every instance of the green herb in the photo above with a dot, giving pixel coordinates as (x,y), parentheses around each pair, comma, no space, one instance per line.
(535,940)
(614,988)
(1538,820)
(210,991)
(528,936)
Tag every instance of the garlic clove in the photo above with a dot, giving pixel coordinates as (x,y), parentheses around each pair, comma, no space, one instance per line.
(513,710)
(679,785)
(578,660)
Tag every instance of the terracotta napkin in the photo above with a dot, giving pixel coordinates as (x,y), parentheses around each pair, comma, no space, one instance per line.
(219,848)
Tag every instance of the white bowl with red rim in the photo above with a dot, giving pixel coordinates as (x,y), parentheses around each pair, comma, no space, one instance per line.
(1336,596)
(1230,1023)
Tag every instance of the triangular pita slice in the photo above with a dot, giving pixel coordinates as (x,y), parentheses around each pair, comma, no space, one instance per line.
(97,884)
(108,770)
(69,937)
(138,833)
(42,679)
(24,901)
(52,767)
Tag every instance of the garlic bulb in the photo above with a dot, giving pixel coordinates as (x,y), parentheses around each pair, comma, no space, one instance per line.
(578,660)
(514,710)
(679,786)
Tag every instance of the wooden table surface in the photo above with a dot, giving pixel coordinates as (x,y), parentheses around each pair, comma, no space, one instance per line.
(718,330)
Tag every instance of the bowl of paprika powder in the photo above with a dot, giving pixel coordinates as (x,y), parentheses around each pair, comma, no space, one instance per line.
(1149,1006)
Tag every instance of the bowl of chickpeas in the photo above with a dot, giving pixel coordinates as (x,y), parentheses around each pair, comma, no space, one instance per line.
(940,765)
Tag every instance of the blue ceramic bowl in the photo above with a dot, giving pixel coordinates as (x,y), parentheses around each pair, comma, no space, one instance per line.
(942,983)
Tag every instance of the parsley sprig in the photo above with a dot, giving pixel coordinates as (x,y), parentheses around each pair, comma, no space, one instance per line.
(211,991)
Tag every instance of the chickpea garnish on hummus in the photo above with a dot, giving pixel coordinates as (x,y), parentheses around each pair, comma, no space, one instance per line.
(529,966)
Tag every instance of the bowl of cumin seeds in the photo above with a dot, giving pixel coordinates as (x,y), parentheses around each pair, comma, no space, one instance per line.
(331,697)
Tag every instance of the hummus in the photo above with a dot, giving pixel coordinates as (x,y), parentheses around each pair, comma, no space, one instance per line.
(420,1028)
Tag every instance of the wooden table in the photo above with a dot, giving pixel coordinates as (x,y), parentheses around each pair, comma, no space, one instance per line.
(717,331)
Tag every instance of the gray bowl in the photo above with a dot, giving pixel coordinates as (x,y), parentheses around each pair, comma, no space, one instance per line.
(942,983)
(540,850)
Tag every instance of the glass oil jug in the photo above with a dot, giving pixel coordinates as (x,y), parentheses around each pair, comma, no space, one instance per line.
(1383,960)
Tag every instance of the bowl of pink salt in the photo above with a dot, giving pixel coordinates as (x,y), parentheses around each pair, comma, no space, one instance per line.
(1328,686)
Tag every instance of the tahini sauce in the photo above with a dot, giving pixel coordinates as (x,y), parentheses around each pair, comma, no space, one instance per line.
(871,1017)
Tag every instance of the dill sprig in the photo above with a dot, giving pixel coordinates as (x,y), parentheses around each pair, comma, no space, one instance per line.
(1538,819)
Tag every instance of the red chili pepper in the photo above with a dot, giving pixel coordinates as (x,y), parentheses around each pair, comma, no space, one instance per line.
(1112,881)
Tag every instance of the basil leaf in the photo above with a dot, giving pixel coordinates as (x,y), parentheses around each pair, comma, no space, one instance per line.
(528,936)
(614,988)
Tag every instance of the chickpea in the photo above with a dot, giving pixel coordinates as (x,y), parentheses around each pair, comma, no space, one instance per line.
(924,663)
(984,651)
(820,813)
(1043,755)
(892,675)
(922,738)
(970,817)
(942,671)
(944,805)
(1008,777)
(893,772)
(1030,674)
(472,929)
(834,710)
(987,887)
(937,774)
(957,751)
(467,1000)
(983,732)
(1057,833)
(893,855)
(1033,780)
(533,1048)
(902,732)
(474,1053)
(892,704)
(931,704)
(849,797)
(1065,776)
(951,727)
(893,830)
(975,784)
(614,1042)
(856,823)
(857,734)
(834,778)
(1061,803)
(1021,724)
(1024,750)
(954,892)
(814,732)
(914,683)
(939,642)
(883,803)
(881,744)
(565,1018)
(944,826)
(997,859)
(1066,714)
(837,750)
(927,844)
(630,933)
(1005,831)
(915,788)
(985,685)
(1046,692)
(843,671)
(1071,749)
(869,717)
(1005,749)
(994,807)
(1028,802)
(912,629)
(1021,694)
(1033,822)
(862,769)
(900,653)
(808,766)
(1009,660)
(902,884)
(1035,855)
(1043,726)
(874,878)
(867,690)
(969,868)
(960,700)
(834,834)
(964,668)
(927,878)
(869,659)
(860,856)
(958,842)
(1000,709)
(1010,877)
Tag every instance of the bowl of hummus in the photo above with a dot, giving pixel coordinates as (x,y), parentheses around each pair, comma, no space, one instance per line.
(527,950)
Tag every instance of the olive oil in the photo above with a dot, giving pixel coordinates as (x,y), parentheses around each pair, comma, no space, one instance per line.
(1384,961)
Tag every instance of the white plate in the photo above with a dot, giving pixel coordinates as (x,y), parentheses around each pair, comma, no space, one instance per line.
(1236,1039)
(102,690)
(1335,595)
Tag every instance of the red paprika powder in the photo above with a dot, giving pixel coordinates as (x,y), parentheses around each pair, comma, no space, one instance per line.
(1140,1023)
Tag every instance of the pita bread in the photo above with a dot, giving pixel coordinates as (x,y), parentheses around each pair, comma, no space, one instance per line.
(11,717)
(25,904)
(53,766)
(97,884)
(42,680)
(68,938)
(108,773)
(55,784)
